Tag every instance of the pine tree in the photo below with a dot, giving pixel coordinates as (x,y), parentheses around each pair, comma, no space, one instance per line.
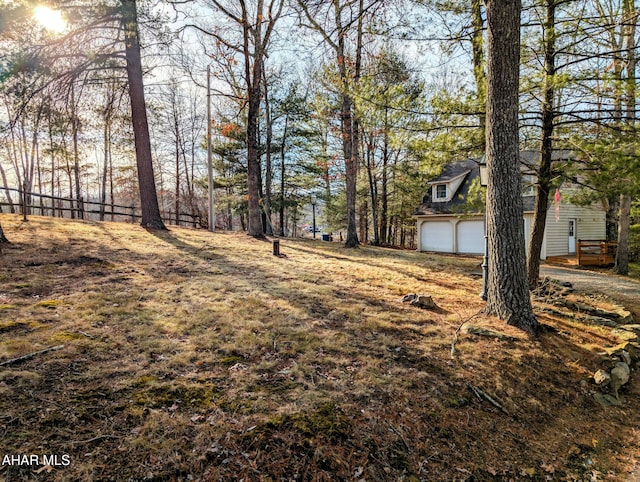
(508,294)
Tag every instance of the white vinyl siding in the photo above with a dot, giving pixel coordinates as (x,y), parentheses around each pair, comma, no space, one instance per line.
(590,224)
(528,227)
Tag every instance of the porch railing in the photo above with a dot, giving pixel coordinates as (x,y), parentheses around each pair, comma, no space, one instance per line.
(596,252)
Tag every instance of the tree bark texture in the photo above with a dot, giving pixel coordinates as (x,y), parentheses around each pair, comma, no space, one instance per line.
(544,171)
(508,294)
(148,196)
(283,166)
(348,142)
(253,162)
(479,64)
(624,222)
(384,208)
(630,19)
(268,164)
(3,238)
(348,125)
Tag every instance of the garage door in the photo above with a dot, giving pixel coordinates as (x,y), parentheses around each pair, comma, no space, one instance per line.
(437,236)
(471,237)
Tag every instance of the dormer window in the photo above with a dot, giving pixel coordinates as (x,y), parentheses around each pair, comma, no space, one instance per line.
(441,192)
(444,188)
(528,185)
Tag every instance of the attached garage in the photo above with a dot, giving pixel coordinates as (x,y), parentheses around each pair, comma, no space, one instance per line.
(452,235)
(436,236)
(447,223)
(470,236)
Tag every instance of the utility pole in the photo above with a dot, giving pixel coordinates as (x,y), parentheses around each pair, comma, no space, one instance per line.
(212,213)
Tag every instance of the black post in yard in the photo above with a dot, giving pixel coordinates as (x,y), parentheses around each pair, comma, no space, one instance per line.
(485,261)
(25,201)
(313,204)
(484,182)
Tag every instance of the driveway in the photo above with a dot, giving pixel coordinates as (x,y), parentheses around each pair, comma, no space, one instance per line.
(620,288)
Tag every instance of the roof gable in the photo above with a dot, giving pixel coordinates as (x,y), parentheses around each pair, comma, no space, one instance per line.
(458,177)
(465,172)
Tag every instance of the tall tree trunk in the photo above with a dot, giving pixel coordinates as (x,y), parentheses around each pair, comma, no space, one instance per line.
(255,40)
(479,64)
(282,174)
(53,163)
(105,167)
(177,186)
(508,295)
(351,165)
(3,238)
(7,193)
(348,123)
(630,18)
(384,182)
(229,211)
(253,79)
(75,128)
(151,217)
(624,222)
(616,48)
(544,172)
(373,192)
(268,167)
(349,141)
(68,171)
(363,220)
(111,186)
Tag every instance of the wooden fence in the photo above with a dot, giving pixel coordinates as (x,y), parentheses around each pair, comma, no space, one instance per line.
(31,203)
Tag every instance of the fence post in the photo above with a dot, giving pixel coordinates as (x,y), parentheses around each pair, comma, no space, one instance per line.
(133,214)
(24,201)
(579,249)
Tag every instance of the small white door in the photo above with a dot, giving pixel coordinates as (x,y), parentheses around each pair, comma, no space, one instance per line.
(572,236)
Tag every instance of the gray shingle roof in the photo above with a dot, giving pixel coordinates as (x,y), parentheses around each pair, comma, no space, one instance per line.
(471,166)
(451,171)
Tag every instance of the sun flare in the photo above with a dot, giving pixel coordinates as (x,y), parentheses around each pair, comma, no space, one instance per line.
(50,19)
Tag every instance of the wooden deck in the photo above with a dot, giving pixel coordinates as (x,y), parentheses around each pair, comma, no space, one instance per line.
(596,252)
(568,260)
(589,253)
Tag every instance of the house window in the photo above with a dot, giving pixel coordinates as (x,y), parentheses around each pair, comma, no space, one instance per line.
(441,192)
(528,185)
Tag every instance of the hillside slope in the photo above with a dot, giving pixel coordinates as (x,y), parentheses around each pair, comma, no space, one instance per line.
(187,355)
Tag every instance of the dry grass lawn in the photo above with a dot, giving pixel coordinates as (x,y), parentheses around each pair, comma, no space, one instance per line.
(196,356)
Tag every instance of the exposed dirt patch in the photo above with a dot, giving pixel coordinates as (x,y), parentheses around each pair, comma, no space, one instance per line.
(197,356)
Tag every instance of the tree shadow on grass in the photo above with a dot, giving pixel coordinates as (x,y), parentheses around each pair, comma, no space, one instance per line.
(170,238)
(367,261)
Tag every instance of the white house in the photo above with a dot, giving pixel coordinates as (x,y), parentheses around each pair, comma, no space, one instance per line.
(444,226)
